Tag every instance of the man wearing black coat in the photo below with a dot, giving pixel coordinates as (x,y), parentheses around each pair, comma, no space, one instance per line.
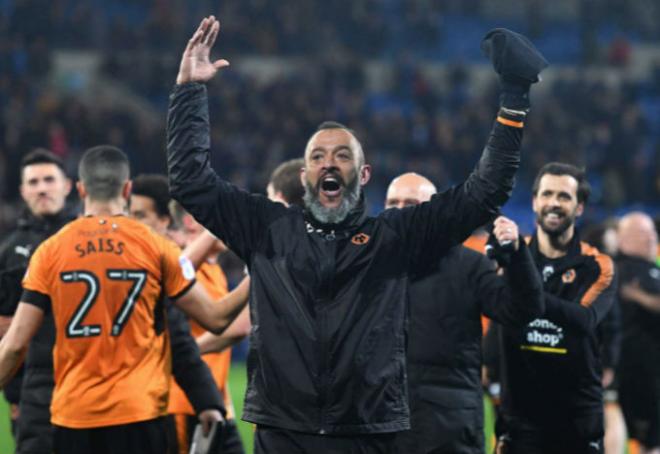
(329,284)
(44,189)
(444,331)
(551,369)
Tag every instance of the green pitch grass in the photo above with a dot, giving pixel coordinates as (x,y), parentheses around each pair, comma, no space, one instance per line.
(6,441)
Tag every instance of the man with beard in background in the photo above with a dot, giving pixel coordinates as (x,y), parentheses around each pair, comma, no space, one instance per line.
(552,396)
(329,284)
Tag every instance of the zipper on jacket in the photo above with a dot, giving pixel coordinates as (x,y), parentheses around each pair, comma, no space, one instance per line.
(327,274)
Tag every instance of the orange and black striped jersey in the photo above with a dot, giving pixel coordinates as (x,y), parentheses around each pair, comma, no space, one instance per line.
(213,279)
(104,278)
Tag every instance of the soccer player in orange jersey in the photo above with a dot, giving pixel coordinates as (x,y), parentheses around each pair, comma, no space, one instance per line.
(149,204)
(103,277)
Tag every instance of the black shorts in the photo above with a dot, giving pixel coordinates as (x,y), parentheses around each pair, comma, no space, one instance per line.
(271,440)
(227,439)
(639,396)
(525,439)
(144,437)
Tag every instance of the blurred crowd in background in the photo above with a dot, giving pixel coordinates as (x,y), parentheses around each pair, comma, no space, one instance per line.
(416,122)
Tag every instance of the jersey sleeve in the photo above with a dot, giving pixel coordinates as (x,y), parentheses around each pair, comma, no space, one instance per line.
(37,279)
(178,271)
(594,305)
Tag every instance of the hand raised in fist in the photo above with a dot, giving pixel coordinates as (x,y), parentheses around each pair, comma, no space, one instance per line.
(517,62)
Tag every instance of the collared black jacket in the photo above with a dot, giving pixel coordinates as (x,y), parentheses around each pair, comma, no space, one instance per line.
(444,344)
(15,253)
(551,368)
(328,302)
(34,431)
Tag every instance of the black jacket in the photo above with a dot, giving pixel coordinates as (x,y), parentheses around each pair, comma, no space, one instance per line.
(15,253)
(551,369)
(444,344)
(34,432)
(328,302)
(641,326)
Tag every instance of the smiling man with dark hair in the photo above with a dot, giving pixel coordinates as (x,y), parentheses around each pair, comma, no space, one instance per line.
(552,395)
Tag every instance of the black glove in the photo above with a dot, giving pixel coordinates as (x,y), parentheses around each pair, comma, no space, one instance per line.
(500,252)
(517,62)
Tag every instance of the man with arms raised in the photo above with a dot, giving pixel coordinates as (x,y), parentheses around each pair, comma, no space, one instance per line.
(444,330)
(552,396)
(102,277)
(329,284)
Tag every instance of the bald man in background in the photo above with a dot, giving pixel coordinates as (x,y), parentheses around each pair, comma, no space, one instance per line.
(639,294)
(444,334)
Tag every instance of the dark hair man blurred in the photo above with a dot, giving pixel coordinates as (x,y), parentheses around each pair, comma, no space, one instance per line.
(111,359)
(328,283)
(639,368)
(284,184)
(552,396)
(150,204)
(444,337)
(44,189)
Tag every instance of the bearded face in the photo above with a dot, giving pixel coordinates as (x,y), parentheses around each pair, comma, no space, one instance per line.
(555,220)
(556,204)
(332,185)
(333,175)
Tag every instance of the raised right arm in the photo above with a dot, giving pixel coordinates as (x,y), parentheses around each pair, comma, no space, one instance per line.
(235,216)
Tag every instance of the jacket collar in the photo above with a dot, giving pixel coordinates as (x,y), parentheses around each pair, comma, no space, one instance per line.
(574,248)
(46,224)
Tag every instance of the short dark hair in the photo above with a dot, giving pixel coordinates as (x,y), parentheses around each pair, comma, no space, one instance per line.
(286,179)
(156,187)
(42,156)
(103,170)
(561,168)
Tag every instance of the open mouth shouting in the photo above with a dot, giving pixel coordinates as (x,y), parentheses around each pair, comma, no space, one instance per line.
(331,186)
